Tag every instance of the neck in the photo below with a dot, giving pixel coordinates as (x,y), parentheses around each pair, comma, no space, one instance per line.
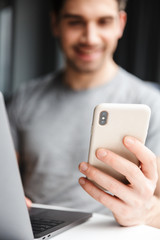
(79,81)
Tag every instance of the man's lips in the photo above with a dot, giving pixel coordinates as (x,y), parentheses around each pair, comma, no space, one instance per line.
(87,54)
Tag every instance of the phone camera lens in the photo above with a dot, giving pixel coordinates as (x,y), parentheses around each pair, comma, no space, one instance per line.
(103,118)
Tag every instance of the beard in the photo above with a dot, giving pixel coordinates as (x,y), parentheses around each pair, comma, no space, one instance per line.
(83,66)
(80,66)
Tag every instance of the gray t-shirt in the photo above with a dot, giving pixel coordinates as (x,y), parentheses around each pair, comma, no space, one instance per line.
(51,125)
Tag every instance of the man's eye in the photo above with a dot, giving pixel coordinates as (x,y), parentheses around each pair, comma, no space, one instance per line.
(105,22)
(75,23)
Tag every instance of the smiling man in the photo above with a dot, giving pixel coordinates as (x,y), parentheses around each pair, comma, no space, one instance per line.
(88,32)
(51,120)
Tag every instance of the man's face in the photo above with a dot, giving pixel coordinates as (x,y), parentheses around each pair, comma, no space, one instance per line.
(88,31)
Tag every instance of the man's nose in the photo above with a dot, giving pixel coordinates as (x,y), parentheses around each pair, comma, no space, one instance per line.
(90,35)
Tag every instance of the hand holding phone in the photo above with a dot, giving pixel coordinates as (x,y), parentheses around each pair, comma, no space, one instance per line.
(111,123)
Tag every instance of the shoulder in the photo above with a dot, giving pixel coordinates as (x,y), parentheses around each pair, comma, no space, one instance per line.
(30,94)
(131,79)
(35,88)
(138,87)
(37,84)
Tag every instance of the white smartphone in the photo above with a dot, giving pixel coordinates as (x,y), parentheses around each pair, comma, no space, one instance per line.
(111,123)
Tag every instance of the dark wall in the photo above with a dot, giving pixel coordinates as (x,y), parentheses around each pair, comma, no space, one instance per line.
(139,50)
(35,50)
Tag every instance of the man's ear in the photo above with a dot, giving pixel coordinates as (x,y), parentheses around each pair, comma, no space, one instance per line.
(122,22)
(54,24)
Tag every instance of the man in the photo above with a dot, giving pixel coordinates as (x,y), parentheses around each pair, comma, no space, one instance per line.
(51,120)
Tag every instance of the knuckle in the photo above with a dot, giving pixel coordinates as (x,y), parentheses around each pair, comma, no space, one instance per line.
(155,179)
(112,186)
(137,202)
(150,188)
(147,191)
(152,160)
(102,199)
(153,157)
(125,212)
(90,189)
(111,158)
(92,173)
(133,171)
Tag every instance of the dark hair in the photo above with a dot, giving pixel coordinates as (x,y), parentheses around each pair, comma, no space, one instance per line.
(57,5)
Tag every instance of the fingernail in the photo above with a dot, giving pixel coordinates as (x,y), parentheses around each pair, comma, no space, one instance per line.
(82,181)
(83,167)
(129,140)
(101,153)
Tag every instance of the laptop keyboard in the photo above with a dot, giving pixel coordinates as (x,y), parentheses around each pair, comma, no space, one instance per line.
(50,222)
(40,225)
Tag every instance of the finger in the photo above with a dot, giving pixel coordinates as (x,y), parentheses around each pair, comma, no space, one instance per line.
(114,204)
(107,182)
(130,170)
(28,202)
(144,155)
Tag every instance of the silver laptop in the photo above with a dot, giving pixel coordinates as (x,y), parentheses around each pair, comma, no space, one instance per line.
(16,222)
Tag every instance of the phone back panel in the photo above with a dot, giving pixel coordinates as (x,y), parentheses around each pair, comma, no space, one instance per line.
(122,120)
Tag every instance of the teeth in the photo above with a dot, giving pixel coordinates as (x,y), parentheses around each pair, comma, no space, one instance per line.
(87,51)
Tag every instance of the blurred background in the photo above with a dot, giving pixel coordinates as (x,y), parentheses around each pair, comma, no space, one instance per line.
(28,50)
